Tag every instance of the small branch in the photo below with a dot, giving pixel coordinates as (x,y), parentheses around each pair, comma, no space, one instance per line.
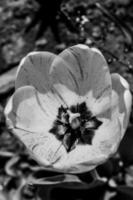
(95,175)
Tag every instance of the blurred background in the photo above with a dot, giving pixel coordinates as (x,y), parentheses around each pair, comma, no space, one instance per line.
(53,25)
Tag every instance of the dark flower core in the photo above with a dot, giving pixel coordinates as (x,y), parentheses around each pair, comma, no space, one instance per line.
(75,125)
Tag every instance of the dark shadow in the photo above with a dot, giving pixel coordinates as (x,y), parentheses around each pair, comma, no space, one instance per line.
(46,16)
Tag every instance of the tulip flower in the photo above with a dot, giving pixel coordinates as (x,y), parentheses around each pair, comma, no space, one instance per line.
(68,110)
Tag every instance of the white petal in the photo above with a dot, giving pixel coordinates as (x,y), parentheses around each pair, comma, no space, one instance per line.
(124,100)
(44,148)
(82,69)
(32,111)
(31,115)
(67,96)
(34,70)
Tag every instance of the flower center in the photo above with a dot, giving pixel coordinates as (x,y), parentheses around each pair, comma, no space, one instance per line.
(75,125)
(74,119)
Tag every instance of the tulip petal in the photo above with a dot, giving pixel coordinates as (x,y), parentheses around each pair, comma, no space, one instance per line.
(84,70)
(34,70)
(31,122)
(67,96)
(31,110)
(123,101)
(44,148)
(88,68)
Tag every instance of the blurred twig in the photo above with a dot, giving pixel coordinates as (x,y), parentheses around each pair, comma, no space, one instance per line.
(127,32)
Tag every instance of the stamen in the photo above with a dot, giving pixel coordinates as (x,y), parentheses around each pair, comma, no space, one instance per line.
(75,125)
(72,116)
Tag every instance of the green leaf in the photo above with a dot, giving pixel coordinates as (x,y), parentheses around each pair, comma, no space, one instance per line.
(66,181)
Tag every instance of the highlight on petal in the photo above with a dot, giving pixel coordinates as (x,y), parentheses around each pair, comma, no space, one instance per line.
(34,70)
(67,96)
(124,99)
(108,136)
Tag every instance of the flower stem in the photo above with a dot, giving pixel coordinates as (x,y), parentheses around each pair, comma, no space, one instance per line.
(95,174)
